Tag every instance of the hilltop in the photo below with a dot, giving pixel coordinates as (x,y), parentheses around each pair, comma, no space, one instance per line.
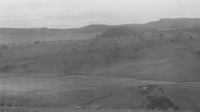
(178,23)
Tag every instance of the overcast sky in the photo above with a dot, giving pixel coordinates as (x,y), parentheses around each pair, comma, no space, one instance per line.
(78,13)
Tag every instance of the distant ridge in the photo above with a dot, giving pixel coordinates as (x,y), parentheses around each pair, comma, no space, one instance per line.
(164,23)
(174,23)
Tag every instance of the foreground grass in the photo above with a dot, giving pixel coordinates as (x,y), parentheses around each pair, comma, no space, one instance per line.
(21,109)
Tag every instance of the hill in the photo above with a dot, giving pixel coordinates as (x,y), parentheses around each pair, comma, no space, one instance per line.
(23,35)
(109,66)
(178,23)
(117,32)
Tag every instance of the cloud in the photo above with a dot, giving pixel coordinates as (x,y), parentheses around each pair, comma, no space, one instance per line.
(77,13)
(191,13)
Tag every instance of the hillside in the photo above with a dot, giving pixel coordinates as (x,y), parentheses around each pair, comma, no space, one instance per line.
(178,23)
(142,49)
(22,35)
(117,32)
(102,66)
(28,35)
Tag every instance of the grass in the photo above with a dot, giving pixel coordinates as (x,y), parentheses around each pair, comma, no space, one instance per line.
(91,90)
(21,109)
(74,73)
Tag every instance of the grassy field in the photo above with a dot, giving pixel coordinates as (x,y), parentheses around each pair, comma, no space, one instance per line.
(85,91)
(19,109)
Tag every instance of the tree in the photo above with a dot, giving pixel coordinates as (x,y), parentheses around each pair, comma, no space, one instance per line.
(159,102)
(37,42)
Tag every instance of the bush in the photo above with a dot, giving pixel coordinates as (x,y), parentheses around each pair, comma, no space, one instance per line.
(147,89)
(37,42)
(6,68)
(3,46)
(159,102)
(2,104)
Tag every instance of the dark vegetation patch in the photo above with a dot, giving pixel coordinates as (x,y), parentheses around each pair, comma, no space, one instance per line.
(4,46)
(4,104)
(6,68)
(117,32)
(159,102)
(154,98)
(25,66)
(194,29)
(147,89)
(198,52)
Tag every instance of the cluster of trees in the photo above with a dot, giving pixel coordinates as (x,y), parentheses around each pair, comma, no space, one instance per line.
(160,103)
(155,99)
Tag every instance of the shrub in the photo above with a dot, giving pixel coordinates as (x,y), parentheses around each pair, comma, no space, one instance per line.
(6,68)
(2,104)
(159,102)
(37,42)
(147,89)
(3,46)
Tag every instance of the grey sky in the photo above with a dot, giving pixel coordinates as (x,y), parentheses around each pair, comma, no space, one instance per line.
(77,13)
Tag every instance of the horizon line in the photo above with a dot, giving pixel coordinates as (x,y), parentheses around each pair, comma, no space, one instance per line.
(98,24)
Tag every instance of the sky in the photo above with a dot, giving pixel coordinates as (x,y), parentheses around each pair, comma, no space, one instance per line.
(79,13)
